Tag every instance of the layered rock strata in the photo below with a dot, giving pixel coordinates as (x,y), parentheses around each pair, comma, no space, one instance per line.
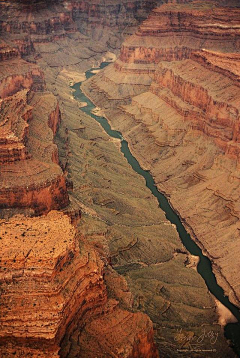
(57,287)
(173,31)
(174,94)
(14,127)
(211,109)
(143,245)
(48,281)
(116,333)
(7,52)
(107,21)
(44,281)
(98,19)
(30,174)
(17,74)
(119,221)
(41,272)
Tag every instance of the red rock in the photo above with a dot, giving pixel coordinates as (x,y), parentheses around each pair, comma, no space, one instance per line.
(173,31)
(15,114)
(115,333)
(17,74)
(174,94)
(7,52)
(49,281)
(44,279)
(35,181)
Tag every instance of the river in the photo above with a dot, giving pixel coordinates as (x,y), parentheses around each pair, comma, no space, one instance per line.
(204,268)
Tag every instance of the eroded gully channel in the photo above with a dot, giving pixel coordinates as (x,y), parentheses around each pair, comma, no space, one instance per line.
(204,268)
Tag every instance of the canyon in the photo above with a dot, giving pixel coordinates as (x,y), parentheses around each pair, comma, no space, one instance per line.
(89,264)
(174,94)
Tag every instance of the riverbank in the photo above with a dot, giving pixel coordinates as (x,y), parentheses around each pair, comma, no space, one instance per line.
(130,271)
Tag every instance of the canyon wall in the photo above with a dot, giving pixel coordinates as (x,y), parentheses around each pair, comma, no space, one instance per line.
(174,94)
(30,174)
(46,288)
(80,281)
(54,297)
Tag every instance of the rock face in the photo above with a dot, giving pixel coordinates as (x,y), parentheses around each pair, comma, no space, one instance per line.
(97,18)
(17,74)
(117,333)
(53,294)
(7,52)
(60,291)
(56,18)
(186,27)
(217,116)
(174,93)
(46,16)
(41,271)
(46,284)
(14,128)
(30,174)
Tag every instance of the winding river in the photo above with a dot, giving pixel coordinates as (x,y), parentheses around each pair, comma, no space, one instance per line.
(204,268)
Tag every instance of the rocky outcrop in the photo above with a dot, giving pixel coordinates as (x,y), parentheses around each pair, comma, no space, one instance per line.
(19,47)
(213,111)
(27,260)
(173,31)
(30,174)
(42,195)
(44,280)
(15,114)
(7,52)
(174,93)
(117,333)
(56,17)
(54,119)
(47,285)
(61,17)
(224,63)
(109,14)
(17,74)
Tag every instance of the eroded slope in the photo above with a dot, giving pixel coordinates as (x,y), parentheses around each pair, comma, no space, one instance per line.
(174,93)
